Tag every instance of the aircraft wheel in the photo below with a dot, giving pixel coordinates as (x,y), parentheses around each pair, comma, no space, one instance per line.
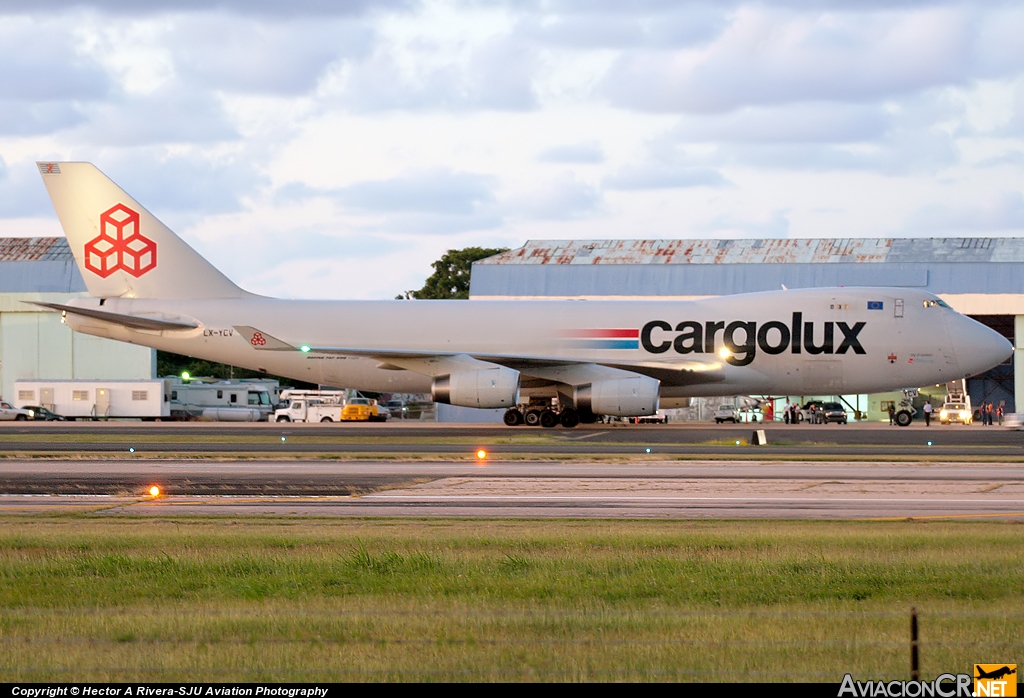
(326,419)
(532,418)
(549,419)
(513,417)
(569,418)
(904,418)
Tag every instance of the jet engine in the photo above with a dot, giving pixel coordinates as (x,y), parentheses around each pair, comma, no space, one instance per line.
(619,397)
(487,388)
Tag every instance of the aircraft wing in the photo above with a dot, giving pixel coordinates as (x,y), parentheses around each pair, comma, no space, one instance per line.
(543,370)
(537,370)
(135,322)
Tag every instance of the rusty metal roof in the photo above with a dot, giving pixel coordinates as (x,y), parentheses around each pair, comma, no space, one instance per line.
(35,250)
(38,265)
(765,251)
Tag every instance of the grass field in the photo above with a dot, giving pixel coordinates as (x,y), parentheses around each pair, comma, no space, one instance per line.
(90,598)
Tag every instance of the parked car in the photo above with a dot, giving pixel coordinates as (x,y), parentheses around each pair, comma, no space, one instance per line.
(831,412)
(727,413)
(42,414)
(10,412)
(823,412)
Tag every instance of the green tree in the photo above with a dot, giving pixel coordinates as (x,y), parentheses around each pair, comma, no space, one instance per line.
(451,273)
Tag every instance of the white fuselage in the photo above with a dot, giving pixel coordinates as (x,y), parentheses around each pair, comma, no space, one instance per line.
(881,338)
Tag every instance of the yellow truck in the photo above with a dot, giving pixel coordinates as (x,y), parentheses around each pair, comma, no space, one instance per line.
(363,409)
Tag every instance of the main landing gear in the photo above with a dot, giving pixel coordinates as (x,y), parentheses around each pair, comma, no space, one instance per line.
(542,416)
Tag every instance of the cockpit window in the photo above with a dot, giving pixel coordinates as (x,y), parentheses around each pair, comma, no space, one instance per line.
(936,302)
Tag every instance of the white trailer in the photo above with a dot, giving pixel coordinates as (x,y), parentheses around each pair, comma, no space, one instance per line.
(98,399)
(232,400)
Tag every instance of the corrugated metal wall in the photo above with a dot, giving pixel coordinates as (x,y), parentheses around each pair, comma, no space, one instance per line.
(37,345)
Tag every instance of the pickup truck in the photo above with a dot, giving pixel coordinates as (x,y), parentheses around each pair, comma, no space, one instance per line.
(302,410)
(727,413)
(9,412)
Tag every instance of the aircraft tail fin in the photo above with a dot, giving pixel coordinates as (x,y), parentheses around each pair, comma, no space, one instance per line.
(122,249)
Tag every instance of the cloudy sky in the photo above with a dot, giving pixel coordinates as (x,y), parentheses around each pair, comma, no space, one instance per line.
(313,148)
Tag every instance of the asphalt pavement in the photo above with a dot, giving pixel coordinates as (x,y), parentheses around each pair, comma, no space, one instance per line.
(501,489)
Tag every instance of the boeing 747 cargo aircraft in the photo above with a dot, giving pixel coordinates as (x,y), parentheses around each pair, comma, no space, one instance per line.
(546,362)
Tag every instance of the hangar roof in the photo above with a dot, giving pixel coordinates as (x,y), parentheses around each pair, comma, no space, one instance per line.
(688,268)
(765,251)
(38,265)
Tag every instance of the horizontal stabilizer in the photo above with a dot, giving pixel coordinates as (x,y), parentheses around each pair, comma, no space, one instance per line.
(132,321)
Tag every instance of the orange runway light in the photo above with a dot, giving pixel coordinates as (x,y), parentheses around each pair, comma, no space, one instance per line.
(154,491)
(481,454)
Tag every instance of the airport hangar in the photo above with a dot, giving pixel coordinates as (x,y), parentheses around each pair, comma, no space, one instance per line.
(980,277)
(34,343)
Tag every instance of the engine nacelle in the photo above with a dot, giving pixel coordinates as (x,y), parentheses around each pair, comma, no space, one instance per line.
(487,388)
(619,397)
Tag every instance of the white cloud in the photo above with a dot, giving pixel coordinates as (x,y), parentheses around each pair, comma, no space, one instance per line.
(768,224)
(359,140)
(174,113)
(182,185)
(773,57)
(32,118)
(1003,212)
(792,123)
(437,191)
(40,61)
(655,175)
(587,153)
(250,55)
(628,25)
(22,194)
(563,197)
(496,74)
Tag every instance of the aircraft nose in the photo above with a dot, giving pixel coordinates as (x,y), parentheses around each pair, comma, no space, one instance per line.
(978,348)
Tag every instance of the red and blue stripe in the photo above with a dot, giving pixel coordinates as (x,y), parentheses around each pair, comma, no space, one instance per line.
(604,338)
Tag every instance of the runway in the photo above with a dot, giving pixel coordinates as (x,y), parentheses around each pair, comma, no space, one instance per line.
(649,489)
(458,440)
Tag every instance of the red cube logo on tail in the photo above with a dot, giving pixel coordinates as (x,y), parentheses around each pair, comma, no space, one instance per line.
(120,245)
